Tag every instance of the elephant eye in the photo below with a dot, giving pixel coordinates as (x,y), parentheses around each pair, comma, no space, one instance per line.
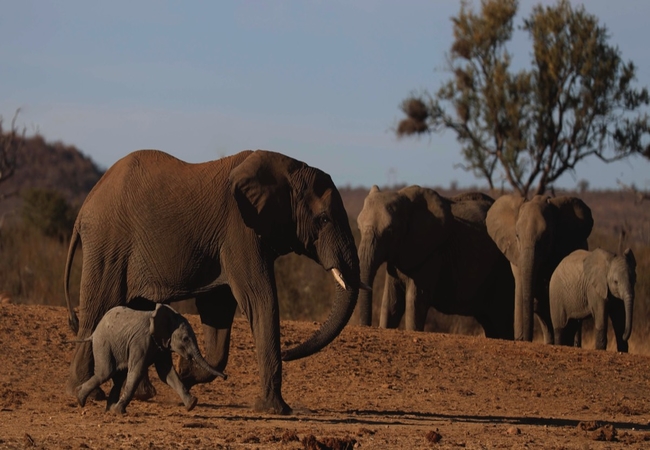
(322,219)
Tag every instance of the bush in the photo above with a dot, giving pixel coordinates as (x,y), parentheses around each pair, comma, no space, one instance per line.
(48,212)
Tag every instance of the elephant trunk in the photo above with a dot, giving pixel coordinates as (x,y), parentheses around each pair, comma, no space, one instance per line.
(369,262)
(203,364)
(524,319)
(341,259)
(629,306)
(344,304)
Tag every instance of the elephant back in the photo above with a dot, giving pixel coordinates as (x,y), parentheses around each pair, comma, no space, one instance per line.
(471,207)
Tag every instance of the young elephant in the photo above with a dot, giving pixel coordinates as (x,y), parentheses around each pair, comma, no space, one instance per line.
(599,284)
(126,342)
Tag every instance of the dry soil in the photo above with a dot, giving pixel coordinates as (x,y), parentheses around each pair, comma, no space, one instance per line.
(371,388)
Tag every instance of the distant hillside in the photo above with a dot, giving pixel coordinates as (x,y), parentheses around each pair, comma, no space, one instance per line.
(47,165)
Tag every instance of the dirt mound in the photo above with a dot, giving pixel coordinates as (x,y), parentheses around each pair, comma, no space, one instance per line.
(369,389)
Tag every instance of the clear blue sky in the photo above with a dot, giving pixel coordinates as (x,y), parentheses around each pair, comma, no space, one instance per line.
(318,80)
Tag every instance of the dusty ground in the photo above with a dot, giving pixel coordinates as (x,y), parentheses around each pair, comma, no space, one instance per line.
(369,389)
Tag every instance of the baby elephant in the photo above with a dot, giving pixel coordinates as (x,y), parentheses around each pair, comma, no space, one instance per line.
(126,342)
(599,284)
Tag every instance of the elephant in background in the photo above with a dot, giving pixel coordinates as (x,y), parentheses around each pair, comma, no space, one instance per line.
(535,235)
(126,342)
(438,254)
(598,284)
(158,229)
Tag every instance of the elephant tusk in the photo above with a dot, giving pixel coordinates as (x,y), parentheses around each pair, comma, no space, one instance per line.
(365,287)
(339,278)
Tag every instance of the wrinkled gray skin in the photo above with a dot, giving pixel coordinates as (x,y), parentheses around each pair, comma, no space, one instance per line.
(535,235)
(157,229)
(599,284)
(126,342)
(438,254)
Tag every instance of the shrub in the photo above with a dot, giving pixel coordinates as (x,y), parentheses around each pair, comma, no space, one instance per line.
(48,212)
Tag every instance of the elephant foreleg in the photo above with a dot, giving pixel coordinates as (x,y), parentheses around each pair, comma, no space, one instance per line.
(577,339)
(616,311)
(543,313)
(600,326)
(393,303)
(217,311)
(417,307)
(264,318)
(166,373)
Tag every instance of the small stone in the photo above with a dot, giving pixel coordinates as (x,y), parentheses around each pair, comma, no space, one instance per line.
(513,431)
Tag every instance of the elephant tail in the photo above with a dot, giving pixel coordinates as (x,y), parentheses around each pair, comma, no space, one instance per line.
(73,320)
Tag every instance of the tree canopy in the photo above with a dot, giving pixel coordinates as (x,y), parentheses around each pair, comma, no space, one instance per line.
(528,127)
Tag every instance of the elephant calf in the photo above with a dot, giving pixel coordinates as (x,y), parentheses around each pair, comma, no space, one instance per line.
(126,342)
(599,284)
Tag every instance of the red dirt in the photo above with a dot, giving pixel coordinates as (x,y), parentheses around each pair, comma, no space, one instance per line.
(370,389)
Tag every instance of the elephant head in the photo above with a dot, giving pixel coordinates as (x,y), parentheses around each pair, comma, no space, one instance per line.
(535,235)
(295,207)
(171,331)
(609,275)
(402,227)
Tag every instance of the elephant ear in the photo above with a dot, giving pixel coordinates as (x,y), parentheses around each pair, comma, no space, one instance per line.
(595,266)
(429,222)
(500,222)
(574,224)
(162,324)
(260,185)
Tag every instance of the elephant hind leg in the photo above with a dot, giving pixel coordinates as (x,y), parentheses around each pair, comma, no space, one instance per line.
(87,387)
(145,389)
(95,299)
(566,335)
(118,381)
(81,370)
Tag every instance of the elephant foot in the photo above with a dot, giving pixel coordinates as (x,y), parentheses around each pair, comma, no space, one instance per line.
(72,389)
(117,409)
(191,403)
(145,390)
(272,406)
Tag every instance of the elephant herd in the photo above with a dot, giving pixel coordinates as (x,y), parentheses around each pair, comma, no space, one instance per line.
(500,261)
(155,229)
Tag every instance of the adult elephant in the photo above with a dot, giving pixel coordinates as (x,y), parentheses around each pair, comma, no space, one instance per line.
(535,235)
(160,229)
(438,254)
